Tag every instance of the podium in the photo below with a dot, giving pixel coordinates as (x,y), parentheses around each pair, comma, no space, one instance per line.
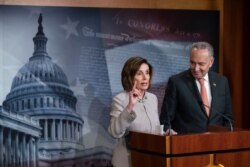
(216,148)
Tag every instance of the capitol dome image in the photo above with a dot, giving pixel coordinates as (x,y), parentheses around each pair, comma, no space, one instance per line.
(40,90)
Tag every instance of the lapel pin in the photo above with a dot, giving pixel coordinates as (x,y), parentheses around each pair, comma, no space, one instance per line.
(214,84)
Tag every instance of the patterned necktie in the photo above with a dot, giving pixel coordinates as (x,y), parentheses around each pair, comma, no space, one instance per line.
(204,95)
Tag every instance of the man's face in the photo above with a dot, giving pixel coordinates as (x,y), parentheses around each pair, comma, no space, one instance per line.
(200,62)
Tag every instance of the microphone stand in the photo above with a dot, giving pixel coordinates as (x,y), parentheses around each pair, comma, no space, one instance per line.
(169,122)
(228,119)
(224,116)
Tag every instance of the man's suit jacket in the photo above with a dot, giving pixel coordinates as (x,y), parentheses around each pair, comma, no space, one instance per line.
(183,107)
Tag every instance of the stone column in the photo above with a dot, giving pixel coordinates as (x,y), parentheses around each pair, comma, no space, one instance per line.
(60,130)
(72,130)
(81,135)
(53,130)
(8,150)
(31,152)
(76,131)
(67,130)
(1,145)
(46,129)
(36,160)
(16,149)
(24,159)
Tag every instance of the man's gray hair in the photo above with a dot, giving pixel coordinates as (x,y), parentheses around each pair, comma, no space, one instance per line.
(203,45)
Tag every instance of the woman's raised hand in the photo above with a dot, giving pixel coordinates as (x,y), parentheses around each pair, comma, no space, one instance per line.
(134,94)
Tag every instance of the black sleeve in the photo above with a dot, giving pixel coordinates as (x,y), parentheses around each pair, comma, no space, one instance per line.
(168,105)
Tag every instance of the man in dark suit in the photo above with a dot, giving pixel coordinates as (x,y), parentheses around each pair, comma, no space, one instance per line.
(184,109)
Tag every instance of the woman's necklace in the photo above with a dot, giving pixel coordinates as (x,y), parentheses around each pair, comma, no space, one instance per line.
(141,100)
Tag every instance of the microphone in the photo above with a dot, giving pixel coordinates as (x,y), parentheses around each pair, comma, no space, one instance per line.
(169,129)
(224,116)
(169,124)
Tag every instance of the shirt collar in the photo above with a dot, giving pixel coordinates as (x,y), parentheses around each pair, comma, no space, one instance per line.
(206,77)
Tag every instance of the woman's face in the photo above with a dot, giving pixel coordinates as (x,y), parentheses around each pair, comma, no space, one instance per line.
(142,77)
